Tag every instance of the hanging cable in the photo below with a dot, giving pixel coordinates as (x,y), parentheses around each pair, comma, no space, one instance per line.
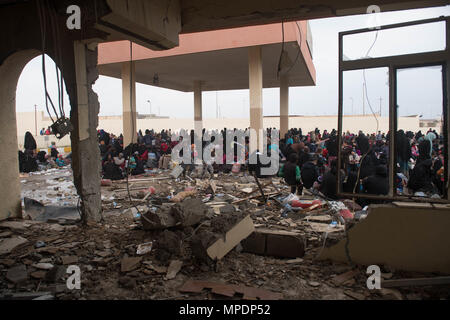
(371,109)
(300,48)
(282,50)
(57,56)
(43,25)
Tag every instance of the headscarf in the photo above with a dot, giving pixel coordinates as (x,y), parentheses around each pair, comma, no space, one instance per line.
(30,142)
(431,137)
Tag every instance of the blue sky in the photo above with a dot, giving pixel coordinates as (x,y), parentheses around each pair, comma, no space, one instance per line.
(419,90)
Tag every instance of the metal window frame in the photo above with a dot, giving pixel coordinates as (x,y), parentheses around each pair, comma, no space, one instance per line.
(394,63)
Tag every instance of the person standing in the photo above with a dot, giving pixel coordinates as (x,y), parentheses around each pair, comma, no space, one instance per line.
(292,174)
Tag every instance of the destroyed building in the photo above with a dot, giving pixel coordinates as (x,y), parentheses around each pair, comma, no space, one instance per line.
(191,226)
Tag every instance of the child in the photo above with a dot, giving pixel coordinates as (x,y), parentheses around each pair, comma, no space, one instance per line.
(60,161)
(291,174)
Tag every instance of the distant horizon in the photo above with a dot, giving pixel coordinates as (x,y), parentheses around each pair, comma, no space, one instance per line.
(155,116)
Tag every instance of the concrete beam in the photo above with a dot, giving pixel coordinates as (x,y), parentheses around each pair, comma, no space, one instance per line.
(205,15)
(284,105)
(129,104)
(154,24)
(256,97)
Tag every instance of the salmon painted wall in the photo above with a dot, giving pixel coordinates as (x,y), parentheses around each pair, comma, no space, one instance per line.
(119,51)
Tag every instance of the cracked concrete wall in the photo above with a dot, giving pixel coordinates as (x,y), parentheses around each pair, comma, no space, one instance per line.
(84,115)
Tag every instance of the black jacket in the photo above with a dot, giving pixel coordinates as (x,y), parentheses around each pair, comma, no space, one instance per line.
(309,173)
(290,175)
(363,144)
(377,184)
(421,177)
(329,184)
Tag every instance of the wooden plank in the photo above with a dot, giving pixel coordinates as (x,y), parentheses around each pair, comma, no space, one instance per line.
(254,197)
(413,205)
(416,282)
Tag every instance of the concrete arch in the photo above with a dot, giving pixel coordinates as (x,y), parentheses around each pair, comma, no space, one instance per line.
(10,71)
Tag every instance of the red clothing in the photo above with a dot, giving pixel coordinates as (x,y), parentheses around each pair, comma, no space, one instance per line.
(164,147)
(144,156)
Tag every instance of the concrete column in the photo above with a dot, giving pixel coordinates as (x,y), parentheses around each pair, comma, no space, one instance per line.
(85,108)
(198,107)
(284,105)
(129,106)
(256,103)
(10,70)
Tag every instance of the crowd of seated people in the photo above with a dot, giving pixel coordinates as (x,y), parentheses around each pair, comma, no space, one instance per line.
(364,162)
(144,153)
(311,159)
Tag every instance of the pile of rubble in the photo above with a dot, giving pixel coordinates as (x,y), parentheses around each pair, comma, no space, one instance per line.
(230,235)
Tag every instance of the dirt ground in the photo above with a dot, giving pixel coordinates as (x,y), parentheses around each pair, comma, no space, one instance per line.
(38,266)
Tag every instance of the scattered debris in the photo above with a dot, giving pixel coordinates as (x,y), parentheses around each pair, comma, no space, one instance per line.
(17,274)
(176,172)
(354,295)
(174,268)
(391,294)
(144,248)
(8,245)
(229,290)
(340,279)
(185,214)
(38,212)
(232,238)
(295,261)
(183,195)
(69,260)
(314,284)
(436,281)
(43,266)
(205,235)
(282,244)
(130,264)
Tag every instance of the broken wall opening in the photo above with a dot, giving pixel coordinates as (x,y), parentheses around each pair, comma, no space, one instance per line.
(35,113)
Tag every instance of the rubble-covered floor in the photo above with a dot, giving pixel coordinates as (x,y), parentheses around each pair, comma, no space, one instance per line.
(112,269)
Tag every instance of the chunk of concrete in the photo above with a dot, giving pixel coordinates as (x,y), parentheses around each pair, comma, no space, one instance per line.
(130,264)
(174,268)
(69,260)
(185,214)
(17,274)
(232,238)
(276,243)
(8,245)
(176,172)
